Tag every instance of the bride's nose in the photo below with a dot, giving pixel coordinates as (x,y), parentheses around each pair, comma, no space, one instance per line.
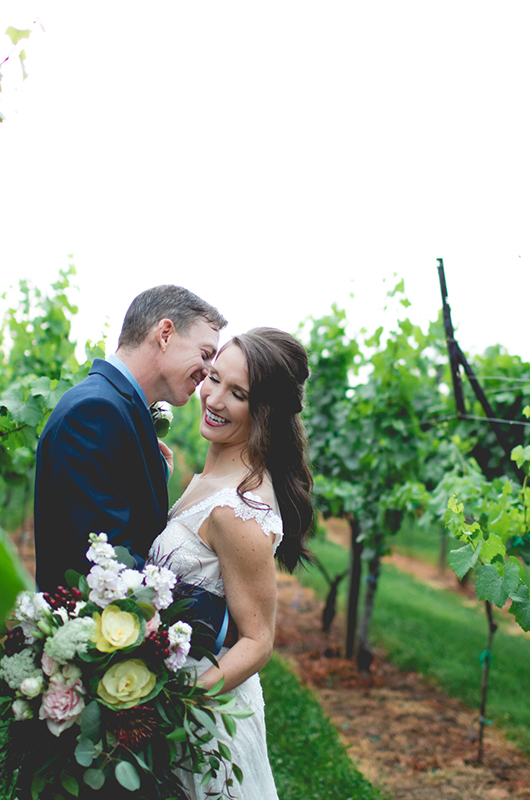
(215,397)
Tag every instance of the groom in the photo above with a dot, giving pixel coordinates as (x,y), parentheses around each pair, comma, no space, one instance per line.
(99,465)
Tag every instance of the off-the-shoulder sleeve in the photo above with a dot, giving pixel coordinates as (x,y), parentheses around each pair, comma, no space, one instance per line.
(256,509)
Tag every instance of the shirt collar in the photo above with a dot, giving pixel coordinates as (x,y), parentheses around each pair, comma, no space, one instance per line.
(126,372)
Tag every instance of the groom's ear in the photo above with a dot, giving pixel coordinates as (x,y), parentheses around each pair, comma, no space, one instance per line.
(164,330)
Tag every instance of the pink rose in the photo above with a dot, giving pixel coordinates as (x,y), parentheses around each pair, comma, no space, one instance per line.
(49,665)
(62,706)
(153,624)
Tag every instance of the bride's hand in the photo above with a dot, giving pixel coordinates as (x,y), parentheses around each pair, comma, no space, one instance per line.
(167,452)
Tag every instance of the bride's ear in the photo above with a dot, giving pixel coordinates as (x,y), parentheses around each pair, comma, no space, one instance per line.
(163,333)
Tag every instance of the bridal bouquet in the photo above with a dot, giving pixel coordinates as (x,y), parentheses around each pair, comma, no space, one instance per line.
(93,689)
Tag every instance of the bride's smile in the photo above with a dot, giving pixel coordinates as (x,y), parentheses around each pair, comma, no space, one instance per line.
(224,398)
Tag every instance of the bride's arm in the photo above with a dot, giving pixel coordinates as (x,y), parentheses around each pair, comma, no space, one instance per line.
(246,561)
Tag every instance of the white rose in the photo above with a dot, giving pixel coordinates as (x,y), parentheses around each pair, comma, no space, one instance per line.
(72,674)
(22,710)
(132,578)
(31,687)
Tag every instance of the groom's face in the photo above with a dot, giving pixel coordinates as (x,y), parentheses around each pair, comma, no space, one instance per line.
(186,361)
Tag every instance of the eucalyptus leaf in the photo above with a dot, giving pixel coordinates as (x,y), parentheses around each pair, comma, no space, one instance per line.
(72,578)
(85,752)
(127,775)
(95,778)
(91,721)
(124,557)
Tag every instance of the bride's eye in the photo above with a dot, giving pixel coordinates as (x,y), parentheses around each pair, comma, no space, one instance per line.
(238,396)
(213,378)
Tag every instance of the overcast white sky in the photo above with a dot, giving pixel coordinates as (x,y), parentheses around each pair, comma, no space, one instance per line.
(273,157)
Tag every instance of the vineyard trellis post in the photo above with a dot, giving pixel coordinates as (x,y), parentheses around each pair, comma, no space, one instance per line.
(457,359)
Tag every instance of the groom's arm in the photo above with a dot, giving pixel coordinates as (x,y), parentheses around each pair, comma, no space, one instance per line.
(91,477)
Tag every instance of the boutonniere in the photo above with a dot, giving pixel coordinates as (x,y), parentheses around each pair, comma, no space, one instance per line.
(162,417)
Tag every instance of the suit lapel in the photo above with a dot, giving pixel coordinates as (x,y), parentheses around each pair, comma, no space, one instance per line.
(126,389)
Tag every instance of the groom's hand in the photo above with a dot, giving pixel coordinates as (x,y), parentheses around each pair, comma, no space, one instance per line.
(167,452)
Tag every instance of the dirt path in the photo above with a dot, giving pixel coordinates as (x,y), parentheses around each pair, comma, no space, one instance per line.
(405,735)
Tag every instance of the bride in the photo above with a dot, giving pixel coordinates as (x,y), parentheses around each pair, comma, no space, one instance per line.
(251,503)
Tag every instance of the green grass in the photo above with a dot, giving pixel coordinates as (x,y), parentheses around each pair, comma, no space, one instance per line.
(434,632)
(308,760)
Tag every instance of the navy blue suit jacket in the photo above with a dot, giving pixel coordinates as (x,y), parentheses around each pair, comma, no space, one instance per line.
(99,468)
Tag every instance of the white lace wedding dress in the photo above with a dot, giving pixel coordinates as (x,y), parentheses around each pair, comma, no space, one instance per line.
(180,548)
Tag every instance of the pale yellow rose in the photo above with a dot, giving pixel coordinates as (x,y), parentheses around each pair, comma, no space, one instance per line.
(124,684)
(115,629)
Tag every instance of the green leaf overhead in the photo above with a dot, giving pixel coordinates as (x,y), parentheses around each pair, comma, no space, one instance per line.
(16,35)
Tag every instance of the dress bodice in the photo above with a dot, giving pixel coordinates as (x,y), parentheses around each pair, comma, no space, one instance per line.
(180,547)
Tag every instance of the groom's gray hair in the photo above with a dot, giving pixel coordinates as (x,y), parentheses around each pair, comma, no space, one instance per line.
(179,305)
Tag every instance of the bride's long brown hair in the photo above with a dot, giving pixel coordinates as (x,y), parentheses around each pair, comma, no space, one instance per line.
(277,370)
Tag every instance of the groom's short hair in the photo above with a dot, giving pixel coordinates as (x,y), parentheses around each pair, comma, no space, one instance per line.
(179,305)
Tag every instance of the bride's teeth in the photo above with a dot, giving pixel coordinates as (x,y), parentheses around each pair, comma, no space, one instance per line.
(215,418)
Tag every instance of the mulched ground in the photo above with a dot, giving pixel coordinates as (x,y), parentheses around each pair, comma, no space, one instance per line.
(404,734)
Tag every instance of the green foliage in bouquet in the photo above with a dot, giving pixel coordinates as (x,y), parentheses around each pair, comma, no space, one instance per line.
(94,693)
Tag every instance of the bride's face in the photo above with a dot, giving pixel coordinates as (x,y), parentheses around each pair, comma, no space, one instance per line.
(225,417)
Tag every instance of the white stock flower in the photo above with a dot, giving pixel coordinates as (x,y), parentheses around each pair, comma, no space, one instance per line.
(41,606)
(30,609)
(107,584)
(24,606)
(62,613)
(100,551)
(162,580)
(22,710)
(179,635)
(179,632)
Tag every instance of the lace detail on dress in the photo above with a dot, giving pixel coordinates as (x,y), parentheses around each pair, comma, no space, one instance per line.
(265,517)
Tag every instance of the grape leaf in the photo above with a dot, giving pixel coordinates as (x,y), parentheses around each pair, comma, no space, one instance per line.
(490,585)
(16,35)
(463,559)
(492,547)
(520,607)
